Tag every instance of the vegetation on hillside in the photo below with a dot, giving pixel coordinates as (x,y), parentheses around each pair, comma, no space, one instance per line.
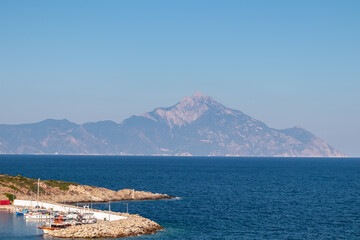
(60,184)
(10,196)
(19,182)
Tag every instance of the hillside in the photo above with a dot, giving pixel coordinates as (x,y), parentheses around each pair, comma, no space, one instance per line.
(66,192)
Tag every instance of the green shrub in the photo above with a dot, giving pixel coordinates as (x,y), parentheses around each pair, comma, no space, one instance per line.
(64,187)
(60,184)
(5,178)
(34,188)
(31,183)
(10,196)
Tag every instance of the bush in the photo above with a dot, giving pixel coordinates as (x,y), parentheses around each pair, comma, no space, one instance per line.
(64,186)
(10,196)
(34,189)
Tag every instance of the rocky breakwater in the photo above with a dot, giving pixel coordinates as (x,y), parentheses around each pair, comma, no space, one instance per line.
(132,226)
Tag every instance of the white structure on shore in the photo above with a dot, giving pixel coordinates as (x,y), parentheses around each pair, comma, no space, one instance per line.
(101,215)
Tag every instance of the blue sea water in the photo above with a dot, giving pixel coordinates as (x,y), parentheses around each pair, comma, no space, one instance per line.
(220,198)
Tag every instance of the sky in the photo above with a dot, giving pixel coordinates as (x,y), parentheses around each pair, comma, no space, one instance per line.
(286,63)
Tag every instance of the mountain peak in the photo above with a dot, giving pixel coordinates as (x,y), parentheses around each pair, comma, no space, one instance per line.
(187,110)
(198,94)
(57,122)
(196,100)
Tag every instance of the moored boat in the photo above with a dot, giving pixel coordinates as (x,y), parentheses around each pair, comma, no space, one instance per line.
(39,215)
(19,213)
(53,227)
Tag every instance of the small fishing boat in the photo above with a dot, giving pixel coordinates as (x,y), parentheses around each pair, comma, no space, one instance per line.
(40,215)
(53,227)
(47,229)
(58,223)
(88,218)
(19,213)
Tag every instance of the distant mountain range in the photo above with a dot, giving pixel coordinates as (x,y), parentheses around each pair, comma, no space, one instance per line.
(197,125)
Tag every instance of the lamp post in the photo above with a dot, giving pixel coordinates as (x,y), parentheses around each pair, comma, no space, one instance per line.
(37,197)
(109,211)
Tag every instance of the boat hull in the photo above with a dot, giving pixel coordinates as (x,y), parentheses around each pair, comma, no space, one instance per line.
(47,229)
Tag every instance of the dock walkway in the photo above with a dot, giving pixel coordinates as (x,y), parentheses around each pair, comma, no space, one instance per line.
(98,214)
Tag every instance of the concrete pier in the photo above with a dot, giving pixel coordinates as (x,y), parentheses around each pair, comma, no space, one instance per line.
(100,215)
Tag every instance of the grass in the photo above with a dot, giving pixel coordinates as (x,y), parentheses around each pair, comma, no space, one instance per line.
(60,184)
(17,182)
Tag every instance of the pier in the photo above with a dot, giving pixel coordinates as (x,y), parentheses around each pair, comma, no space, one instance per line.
(109,224)
(100,215)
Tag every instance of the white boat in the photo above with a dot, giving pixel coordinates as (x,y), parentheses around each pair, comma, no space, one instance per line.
(53,227)
(38,216)
(88,218)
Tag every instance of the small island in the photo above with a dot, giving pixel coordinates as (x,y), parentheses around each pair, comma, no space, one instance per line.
(60,192)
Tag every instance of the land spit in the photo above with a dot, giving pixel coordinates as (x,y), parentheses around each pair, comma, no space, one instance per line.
(59,192)
(67,192)
(129,225)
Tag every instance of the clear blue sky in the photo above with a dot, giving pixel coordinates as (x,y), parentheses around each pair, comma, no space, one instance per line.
(283,62)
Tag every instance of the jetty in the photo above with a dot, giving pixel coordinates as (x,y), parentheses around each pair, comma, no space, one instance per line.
(100,215)
(109,224)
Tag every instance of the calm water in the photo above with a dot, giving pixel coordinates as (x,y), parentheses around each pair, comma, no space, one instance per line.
(221,198)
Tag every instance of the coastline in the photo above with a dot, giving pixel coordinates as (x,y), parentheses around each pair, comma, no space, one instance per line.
(24,188)
(55,195)
(175,155)
(129,225)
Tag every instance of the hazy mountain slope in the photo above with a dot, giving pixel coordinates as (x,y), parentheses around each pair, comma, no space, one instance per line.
(201,126)
(48,135)
(197,125)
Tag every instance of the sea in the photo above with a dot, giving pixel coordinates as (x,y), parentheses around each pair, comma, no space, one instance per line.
(217,197)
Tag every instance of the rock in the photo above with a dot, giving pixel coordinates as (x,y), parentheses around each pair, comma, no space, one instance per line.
(132,226)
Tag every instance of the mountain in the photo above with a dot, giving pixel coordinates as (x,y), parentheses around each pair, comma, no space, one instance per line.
(197,125)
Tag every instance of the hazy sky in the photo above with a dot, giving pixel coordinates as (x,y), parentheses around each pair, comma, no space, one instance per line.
(283,62)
